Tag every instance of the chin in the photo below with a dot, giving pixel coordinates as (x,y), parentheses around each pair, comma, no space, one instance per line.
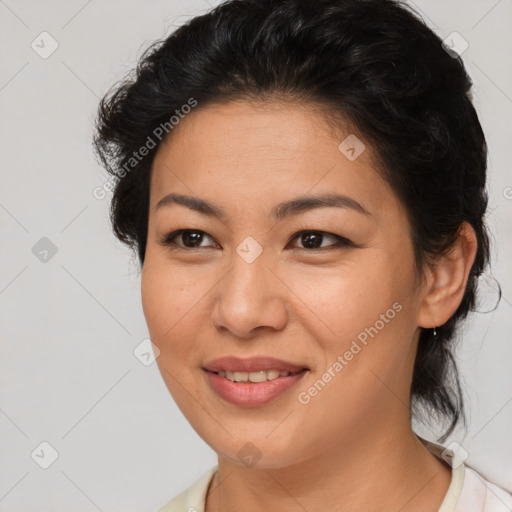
(258,453)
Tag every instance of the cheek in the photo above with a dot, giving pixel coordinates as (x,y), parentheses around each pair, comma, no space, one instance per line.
(157,298)
(169,295)
(361,317)
(176,308)
(170,299)
(163,306)
(342,301)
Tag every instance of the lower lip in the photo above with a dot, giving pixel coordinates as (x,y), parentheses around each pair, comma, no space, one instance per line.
(252,394)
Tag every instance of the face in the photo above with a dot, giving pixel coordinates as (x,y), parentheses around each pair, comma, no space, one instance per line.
(329,286)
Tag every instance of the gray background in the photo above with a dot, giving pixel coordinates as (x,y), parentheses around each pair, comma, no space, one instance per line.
(69,325)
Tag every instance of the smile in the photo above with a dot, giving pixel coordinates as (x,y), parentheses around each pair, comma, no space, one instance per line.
(258,376)
(240,388)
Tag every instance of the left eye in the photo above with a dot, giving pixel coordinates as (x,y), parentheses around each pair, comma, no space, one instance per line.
(194,237)
(314,239)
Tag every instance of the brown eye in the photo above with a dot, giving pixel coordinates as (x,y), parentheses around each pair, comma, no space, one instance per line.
(314,240)
(189,238)
(196,239)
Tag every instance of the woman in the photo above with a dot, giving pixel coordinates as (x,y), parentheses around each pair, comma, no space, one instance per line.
(304,182)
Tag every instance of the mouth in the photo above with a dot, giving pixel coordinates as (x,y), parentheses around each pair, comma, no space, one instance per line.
(257,376)
(252,382)
(254,365)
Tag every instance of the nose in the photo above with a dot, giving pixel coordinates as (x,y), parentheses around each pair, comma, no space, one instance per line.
(250,299)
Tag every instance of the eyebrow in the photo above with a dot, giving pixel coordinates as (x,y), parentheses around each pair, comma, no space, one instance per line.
(278,212)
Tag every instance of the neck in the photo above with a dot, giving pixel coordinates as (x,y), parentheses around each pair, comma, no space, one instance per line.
(387,470)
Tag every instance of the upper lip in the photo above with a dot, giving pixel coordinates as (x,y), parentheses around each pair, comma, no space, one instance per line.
(253,364)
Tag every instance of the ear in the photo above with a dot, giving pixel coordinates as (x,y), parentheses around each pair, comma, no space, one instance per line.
(446,280)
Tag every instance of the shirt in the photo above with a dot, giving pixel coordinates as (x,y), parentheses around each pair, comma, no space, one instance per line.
(469,491)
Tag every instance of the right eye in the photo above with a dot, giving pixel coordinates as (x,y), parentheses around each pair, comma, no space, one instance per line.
(190,239)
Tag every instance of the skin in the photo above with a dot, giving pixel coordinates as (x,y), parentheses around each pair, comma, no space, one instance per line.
(351,447)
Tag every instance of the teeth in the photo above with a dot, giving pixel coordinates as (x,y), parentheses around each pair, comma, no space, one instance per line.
(260,376)
(273,374)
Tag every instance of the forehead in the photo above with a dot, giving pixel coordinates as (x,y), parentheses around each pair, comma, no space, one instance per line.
(245,150)
(242,128)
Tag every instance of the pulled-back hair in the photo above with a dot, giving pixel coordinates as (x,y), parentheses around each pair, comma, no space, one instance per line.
(373,62)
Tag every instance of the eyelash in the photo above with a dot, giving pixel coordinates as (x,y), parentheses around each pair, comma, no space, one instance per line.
(341,241)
